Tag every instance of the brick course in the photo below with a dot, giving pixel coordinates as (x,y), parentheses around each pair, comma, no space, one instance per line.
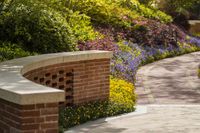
(38,118)
(83,81)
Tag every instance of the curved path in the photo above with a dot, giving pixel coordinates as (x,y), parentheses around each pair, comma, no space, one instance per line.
(169,99)
(170,81)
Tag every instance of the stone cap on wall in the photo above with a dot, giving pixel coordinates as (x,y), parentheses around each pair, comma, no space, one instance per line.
(193,22)
(17,89)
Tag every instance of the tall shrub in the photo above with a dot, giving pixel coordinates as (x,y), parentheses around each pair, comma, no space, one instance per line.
(41,28)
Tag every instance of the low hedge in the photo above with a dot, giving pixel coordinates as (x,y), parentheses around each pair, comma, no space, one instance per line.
(122,100)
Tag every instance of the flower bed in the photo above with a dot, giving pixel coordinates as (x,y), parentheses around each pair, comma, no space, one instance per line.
(122,100)
(126,62)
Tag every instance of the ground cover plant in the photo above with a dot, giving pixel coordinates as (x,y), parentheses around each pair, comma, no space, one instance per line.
(137,34)
(122,100)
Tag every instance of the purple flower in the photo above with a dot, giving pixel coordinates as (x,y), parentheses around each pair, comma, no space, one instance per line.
(195,41)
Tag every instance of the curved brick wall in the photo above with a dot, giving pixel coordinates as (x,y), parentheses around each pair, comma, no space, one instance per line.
(32,88)
(82,81)
(57,76)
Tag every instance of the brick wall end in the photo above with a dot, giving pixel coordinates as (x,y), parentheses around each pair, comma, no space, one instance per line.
(38,118)
(82,81)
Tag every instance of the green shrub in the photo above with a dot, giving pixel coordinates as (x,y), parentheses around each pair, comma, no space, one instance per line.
(145,11)
(154,14)
(115,12)
(122,100)
(40,28)
(10,51)
(103,12)
(147,2)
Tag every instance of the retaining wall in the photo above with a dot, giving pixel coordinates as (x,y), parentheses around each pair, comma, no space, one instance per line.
(33,88)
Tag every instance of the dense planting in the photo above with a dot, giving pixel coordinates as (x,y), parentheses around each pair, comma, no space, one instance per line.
(53,26)
(36,27)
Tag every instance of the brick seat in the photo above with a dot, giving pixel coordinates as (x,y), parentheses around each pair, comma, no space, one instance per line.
(31,88)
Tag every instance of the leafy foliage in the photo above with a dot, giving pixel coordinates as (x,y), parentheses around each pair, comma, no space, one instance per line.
(54,26)
(151,32)
(115,12)
(122,100)
(144,32)
(9,51)
(104,43)
(39,28)
(103,12)
(145,11)
(147,2)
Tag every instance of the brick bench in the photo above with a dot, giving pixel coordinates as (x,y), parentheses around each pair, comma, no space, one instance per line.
(33,88)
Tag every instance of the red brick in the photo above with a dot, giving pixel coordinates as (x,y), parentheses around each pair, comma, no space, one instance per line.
(39,106)
(11,123)
(50,105)
(33,131)
(31,113)
(28,107)
(41,131)
(51,118)
(30,127)
(52,131)
(28,120)
(3,126)
(12,110)
(49,111)
(10,116)
(40,119)
(53,125)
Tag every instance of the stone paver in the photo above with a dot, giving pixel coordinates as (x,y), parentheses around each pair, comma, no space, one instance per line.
(170,81)
(159,119)
(170,91)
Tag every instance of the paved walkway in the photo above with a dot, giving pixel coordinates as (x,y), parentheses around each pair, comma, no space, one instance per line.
(158,119)
(169,99)
(170,81)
